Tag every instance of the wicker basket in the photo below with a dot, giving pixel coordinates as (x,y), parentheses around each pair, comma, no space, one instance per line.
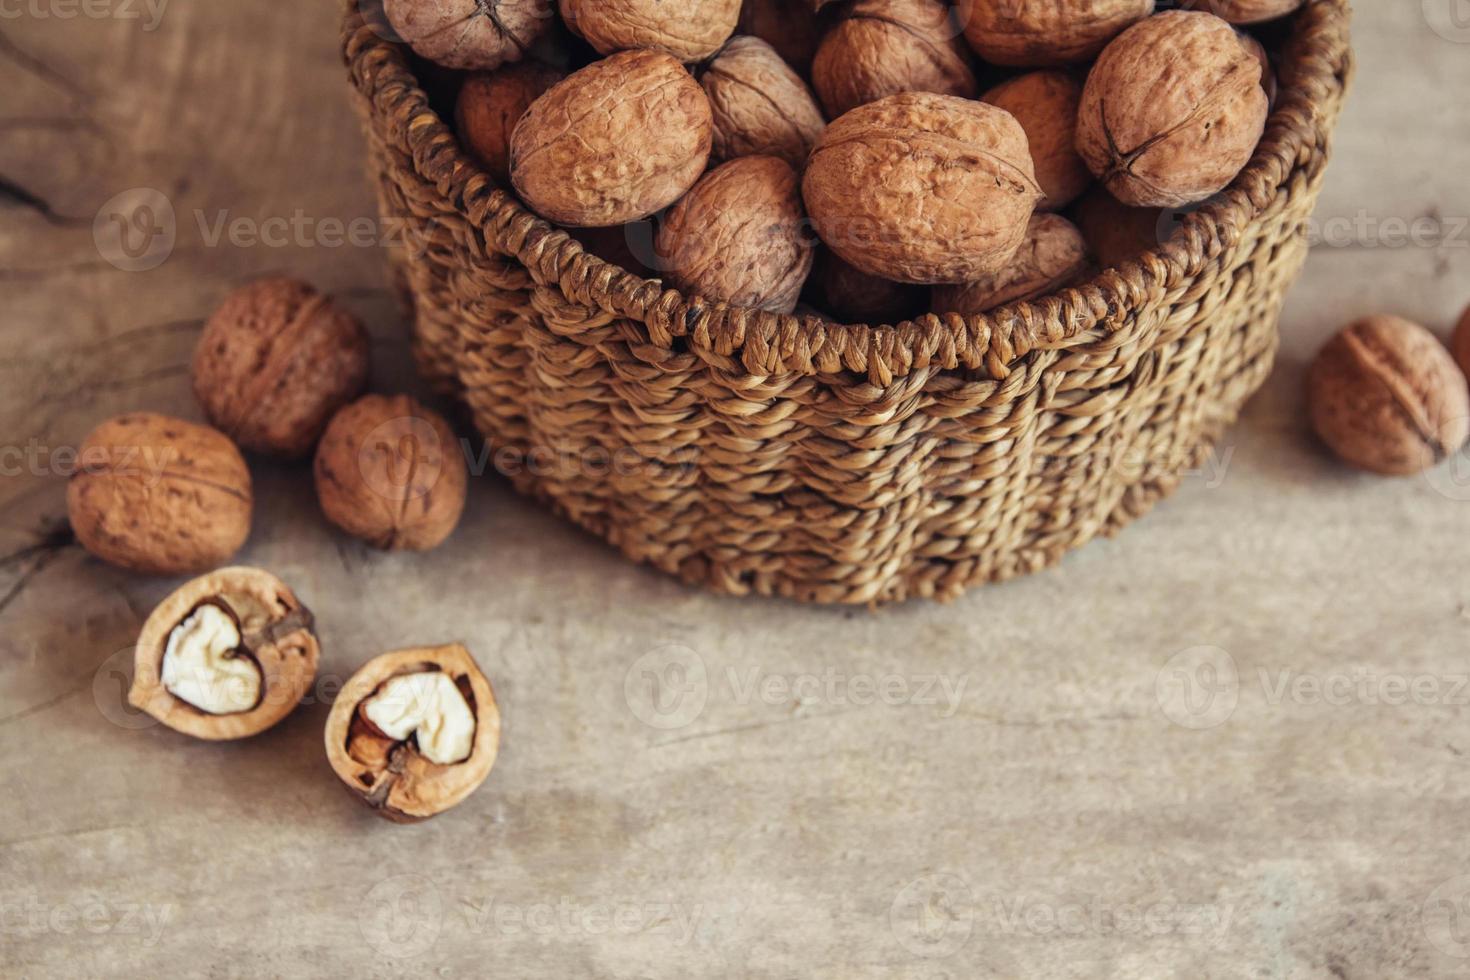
(756,453)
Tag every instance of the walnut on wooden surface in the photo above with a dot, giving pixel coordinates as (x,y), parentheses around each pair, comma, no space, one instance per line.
(883,47)
(1045,103)
(489,106)
(690,30)
(475,35)
(1046,34)
(760,105)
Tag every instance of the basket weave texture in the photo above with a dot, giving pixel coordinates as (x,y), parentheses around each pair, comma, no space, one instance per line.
(781,455)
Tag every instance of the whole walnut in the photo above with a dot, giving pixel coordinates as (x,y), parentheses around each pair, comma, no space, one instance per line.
(470,34)
(645,145)
(489,106)
(1045,34)
(160,495)
(854,296)
(1387,397)
(1115,232)
(1157,136)
(1054,256)
(884,47)
(690,30)
(760,106)
(790,28)
(1245,11)
(390,472)
(273,364)
(1045,104)
(923,188)
(737,236)
(1268,72)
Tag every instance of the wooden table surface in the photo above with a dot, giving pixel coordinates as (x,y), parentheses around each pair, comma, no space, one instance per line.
(1234,742)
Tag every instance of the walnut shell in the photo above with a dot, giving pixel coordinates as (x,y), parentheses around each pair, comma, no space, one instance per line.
(690,30)
(1159,136)
(644,147)
(489,106)
(760,106)
(391,472)
(1269,82)
(1246,11)
(1116,233)
(854,296)
(276,634)
(1387,397)
(737,236)
(1460,344)
(1045,104)
(923,188)
(470,34)
(273,364)
(1042,35)
(789,28)
(884,47)
(160,495)
(1054,256)
(393,777)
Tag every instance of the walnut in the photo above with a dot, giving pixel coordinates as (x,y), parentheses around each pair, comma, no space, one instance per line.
(1245,11)
(643,148)
(1116,233)
(1460,344)
(760,105)
(489,106)
(1268,73)
(390,472)
(1387,397)
(923,188)
(789,28)
(1053,257)
(415,732)
(1057,32)
(274,362)
(470,34)
(883,47)
(225,657)
(854,296)
(690,30)
(1045,104)
(1161,137)
(737,236)
(160,495)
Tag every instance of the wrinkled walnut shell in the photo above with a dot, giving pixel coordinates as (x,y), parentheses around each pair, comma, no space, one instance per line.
(1116,233)
(276,635)
(477,35)
(1159,136)
(923,188)
(392,777)
(737,236)
(160,495)
(391,472)
(690,30)
(643,148)
(1053,257)
(1022,33)
(854,296)
(1245,11)
(1387,397)
(788,27)
(884,47)
(1045,103)
(274,362)
(489,106)
(760,106)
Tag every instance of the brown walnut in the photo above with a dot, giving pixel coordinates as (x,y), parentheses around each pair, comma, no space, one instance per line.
(737,236)
(760,106)
(160,495)
(226,656)
(690,30)
(1387,397)
(1045,104)
(1115,232)
(274,362)
(923,188)
(854,296)
(1038,34)
(477,35)
(1158,135)
(1054,256)
(390,472)
(1245,11)
(884,47)
(399,774)
(790,28)
(640,151)
(489,106)
(1269,82)
(1460,344)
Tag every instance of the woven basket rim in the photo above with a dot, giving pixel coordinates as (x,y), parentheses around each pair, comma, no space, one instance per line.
(1319,60)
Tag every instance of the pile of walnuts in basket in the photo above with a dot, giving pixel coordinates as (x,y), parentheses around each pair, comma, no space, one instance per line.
(994,149)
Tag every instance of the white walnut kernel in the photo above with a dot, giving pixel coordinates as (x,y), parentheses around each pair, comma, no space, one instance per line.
(428,708)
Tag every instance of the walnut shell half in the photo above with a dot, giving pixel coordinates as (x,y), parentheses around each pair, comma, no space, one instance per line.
(394,776)
(470,34)
(760,106)
(1046,34)
(884,47)
(265,641)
